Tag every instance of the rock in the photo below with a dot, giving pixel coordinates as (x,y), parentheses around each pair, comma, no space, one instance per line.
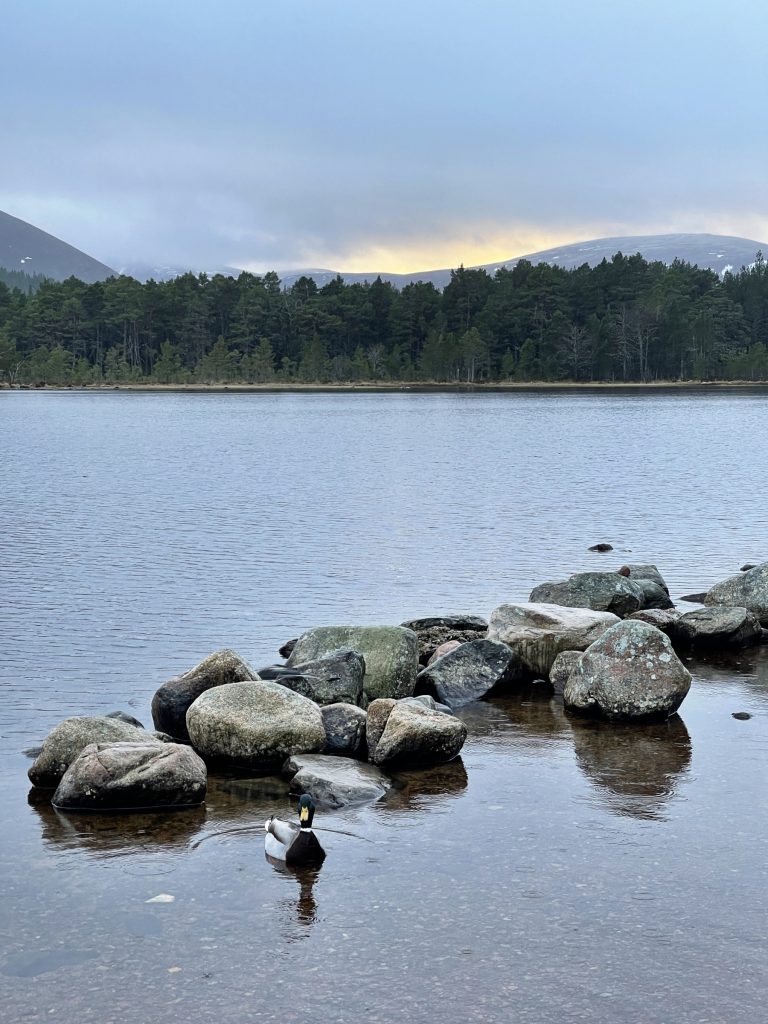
(446,648)
(631,672)
(172,700)
(562,666)
(132,776)
(747,590)
(437,630)
(66,741)
(654,596)
(662,618)
(287,648)
(537,633)
(333,679)
(747,566)
(390,653)
(255,724)
(344,729)
(718,624)
(601,591)
(623,571)
(376,720)
(646,572)
(742,716)
(694,598)
(413,734)
(601,547)
(335,781)
(123,716)
(470,672)
(426,701)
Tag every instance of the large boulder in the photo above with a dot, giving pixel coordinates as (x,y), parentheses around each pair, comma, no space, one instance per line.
(654,596)
(254,724)
(639,572)
(747,590)
(333,679)
(390,653)
(470,672)
(600,591)
(405,732)
(537,633)
(344,729)
(436,630)
(662,618)
(562,666)
(132,776)
(172,700)
(718,624)
(335,781)
(70,737)
(631,672)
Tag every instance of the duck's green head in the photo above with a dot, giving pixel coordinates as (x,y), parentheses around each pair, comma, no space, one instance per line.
(306,810)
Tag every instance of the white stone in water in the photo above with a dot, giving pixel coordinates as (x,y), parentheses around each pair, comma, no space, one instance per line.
(162,897)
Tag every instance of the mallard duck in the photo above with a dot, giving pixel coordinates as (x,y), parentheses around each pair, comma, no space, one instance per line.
(294,844)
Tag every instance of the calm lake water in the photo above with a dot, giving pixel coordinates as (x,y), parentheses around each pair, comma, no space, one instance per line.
(560,870)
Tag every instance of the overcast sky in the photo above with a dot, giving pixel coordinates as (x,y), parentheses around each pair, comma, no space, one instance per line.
(398,135)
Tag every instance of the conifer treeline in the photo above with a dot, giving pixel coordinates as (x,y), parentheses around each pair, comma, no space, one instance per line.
(624,320)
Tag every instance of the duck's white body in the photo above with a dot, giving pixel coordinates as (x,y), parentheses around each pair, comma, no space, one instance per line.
(280,837)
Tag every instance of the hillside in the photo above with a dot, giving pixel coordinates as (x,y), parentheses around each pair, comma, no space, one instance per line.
(33,251)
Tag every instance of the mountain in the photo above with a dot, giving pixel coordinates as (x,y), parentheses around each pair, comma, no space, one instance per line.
(27,248)
(163,272)
(718,252)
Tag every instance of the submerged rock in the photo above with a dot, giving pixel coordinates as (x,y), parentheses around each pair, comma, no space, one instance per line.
(335,781)
(631,672)
(344,729)
(172,700)
(255,724)
(470,672)
(537,633)
(436,630)
(132,776)
(69,738)
(601,591)
(602,546)
(718,624)
(404,732)
(390,654)
(747,590)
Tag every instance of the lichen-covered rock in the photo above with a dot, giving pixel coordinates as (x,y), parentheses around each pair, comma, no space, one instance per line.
(390,654)
(132,776)
(412,734)
(747,590)
(446,648)
(662,618)
(172,700)
(335,781)
(333,679)
(254,724)
(537,633)
(66,741)
(470,672)
(562,666)
(436,630)
(631,672)
(600,591)
(718,624)
(344,729)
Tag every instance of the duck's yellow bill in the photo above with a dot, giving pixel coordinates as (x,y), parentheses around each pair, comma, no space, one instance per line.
(304,814)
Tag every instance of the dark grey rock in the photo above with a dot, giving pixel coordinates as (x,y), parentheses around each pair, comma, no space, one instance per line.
(123,716)
(427,701)
(662,618)
(748,566)
(563,665)
(287,648)
(747,590)
(390,654)
(132,776)
(470,672)
(741,716)
(647,572)
(172,700)
(694,598)
(436,630)
(537,633)
(654,596)
(412,734)
(255,724)
(335,781)
(602,546)
(335,678)
(718,624)
(66,741)
(630,673)
(601,591)
(344,729)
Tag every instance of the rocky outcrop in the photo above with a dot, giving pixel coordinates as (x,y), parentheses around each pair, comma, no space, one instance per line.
(344,729)
(600,591)
(563,665)
(390,654)
(537,633)
(254,724)
(470,672)
(172,700)
(402,732)
(631,672)
(132,776)
(335,678)
(335,781)
(69,738)
(718,624)
(437,630)
(747,590)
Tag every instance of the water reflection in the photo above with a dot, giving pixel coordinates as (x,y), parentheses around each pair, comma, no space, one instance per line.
(432,786)
(302,908)
(532,715)
(636,770)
